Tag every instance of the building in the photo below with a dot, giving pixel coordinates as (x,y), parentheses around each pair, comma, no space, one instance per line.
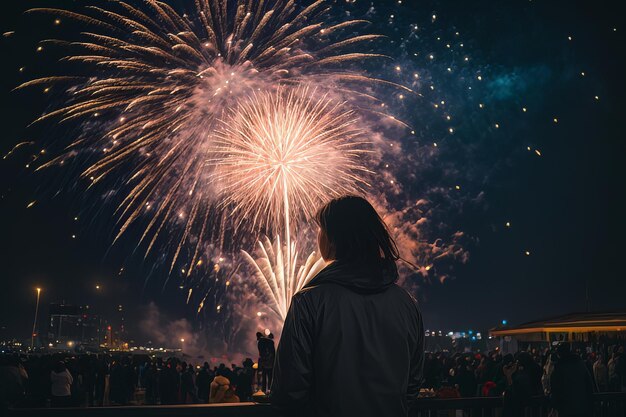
(71,325)
(595,328)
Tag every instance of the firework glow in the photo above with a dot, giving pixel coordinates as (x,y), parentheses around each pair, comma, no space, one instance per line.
(279,155)
(157,83)
(238,118)
(280,278)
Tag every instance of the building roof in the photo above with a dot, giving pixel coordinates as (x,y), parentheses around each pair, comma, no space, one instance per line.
(574,322)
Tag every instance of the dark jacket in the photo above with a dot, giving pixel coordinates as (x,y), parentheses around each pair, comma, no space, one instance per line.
(352,344)
(572,387)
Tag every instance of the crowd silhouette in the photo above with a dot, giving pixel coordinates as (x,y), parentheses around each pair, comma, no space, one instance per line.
(567,376)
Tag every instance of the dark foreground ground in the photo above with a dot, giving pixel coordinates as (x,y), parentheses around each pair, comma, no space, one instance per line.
(606,405)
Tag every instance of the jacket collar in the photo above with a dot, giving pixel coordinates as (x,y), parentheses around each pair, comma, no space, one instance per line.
(358,276)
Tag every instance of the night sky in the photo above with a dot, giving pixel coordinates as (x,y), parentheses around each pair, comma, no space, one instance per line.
(563,199)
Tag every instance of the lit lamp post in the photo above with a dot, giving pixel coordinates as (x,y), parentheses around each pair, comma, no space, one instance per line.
(32,335)
(182,345)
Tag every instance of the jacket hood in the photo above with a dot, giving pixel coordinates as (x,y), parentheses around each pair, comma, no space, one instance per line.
(358,276)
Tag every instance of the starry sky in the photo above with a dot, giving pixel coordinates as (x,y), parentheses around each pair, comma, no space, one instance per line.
(523,99)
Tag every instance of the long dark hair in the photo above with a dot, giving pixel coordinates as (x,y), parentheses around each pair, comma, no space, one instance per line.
(355,231)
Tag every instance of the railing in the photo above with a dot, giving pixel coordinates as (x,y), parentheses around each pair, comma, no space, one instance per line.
(610,404)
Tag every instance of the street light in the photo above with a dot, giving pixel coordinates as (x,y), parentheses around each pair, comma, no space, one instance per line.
(32,335)
(182,345)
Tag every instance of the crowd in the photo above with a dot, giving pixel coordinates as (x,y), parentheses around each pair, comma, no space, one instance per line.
(567,376)
(60,380)
(64,380)
(96,380)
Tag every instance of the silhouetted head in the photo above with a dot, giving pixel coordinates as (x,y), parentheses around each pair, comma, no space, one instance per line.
(59,367)
(352,230)
(563,350)
(525,359)
(507,359)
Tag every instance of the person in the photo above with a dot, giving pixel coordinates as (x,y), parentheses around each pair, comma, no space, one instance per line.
(61,382)
(523,380)
(150,382)
(353,340)
(169,383)
(464,378)
(13,381)
(222,391)
(601,374)
(267,353)
(616,369)
(548,368)
(102,373)
(203,382)
(121,382)
(244,381)
(88,372)
(187,384)
(571,384)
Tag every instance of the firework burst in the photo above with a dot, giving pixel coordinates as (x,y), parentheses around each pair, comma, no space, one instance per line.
(279,155)
(157,82)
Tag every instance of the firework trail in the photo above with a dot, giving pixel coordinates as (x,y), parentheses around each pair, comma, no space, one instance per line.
(158,82)
(278,277)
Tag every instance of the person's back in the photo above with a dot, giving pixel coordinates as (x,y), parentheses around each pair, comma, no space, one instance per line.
(352,344)
(601,374)
(572,385)
(61,385)
(169,384)
(13,380)
(203,381)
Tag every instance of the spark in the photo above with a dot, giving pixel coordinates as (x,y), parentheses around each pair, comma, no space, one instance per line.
(168,80)
(16,147)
